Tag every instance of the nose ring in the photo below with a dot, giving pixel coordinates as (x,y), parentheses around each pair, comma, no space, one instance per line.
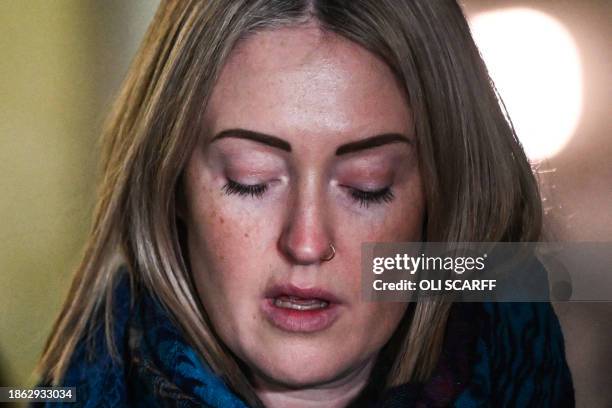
(331,255)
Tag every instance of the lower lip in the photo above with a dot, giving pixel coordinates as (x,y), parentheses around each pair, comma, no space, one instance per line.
(300,321)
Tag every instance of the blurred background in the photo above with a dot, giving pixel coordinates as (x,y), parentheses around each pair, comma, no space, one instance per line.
(63,61)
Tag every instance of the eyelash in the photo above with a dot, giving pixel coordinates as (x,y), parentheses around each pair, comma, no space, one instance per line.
(255,190)
(364,198)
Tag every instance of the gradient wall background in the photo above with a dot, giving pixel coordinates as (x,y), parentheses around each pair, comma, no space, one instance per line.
(62,61)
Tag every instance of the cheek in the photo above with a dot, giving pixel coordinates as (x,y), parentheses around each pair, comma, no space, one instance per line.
(225,243)
(378,321)
(220,271)
(399,221)
(233,247)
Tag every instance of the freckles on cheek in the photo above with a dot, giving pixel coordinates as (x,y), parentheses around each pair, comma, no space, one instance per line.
(223,235)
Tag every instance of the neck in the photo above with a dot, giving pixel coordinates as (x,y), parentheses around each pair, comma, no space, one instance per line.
(335,394)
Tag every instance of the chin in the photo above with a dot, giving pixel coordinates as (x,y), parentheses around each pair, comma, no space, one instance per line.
(292,377)
(303,368)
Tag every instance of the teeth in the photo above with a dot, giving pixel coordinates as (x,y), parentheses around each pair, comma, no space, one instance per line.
(291,302)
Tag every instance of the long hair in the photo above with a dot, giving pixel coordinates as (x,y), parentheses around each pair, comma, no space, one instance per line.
(478,182)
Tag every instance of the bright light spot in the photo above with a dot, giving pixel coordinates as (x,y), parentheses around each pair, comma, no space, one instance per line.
(534,63)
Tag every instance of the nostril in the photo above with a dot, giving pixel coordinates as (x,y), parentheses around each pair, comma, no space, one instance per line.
(306,249)
(304,254)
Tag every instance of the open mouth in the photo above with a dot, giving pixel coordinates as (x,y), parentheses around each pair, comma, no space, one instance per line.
(297,303)
(299,310)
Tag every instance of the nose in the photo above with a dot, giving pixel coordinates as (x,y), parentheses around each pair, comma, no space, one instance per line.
(306,238)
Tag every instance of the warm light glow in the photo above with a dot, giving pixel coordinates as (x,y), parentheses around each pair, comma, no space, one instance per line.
(535,65)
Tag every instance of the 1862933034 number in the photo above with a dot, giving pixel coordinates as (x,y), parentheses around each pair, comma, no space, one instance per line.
(40,394)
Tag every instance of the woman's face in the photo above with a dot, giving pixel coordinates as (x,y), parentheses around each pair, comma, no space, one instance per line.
(310,142)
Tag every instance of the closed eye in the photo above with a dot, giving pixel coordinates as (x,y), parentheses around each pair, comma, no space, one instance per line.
(253,190)
(365,198)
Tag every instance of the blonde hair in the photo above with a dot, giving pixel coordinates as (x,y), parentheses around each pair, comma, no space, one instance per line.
(478,182)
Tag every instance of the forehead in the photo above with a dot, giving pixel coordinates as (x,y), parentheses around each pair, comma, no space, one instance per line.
(302,80)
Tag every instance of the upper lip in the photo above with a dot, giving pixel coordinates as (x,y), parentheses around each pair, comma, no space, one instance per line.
(288,289)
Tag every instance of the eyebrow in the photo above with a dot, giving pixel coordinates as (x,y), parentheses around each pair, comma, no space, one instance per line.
(254,136)
(371,142)
(351,147)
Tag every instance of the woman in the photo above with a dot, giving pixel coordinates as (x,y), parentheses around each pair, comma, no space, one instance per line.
(254,147)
